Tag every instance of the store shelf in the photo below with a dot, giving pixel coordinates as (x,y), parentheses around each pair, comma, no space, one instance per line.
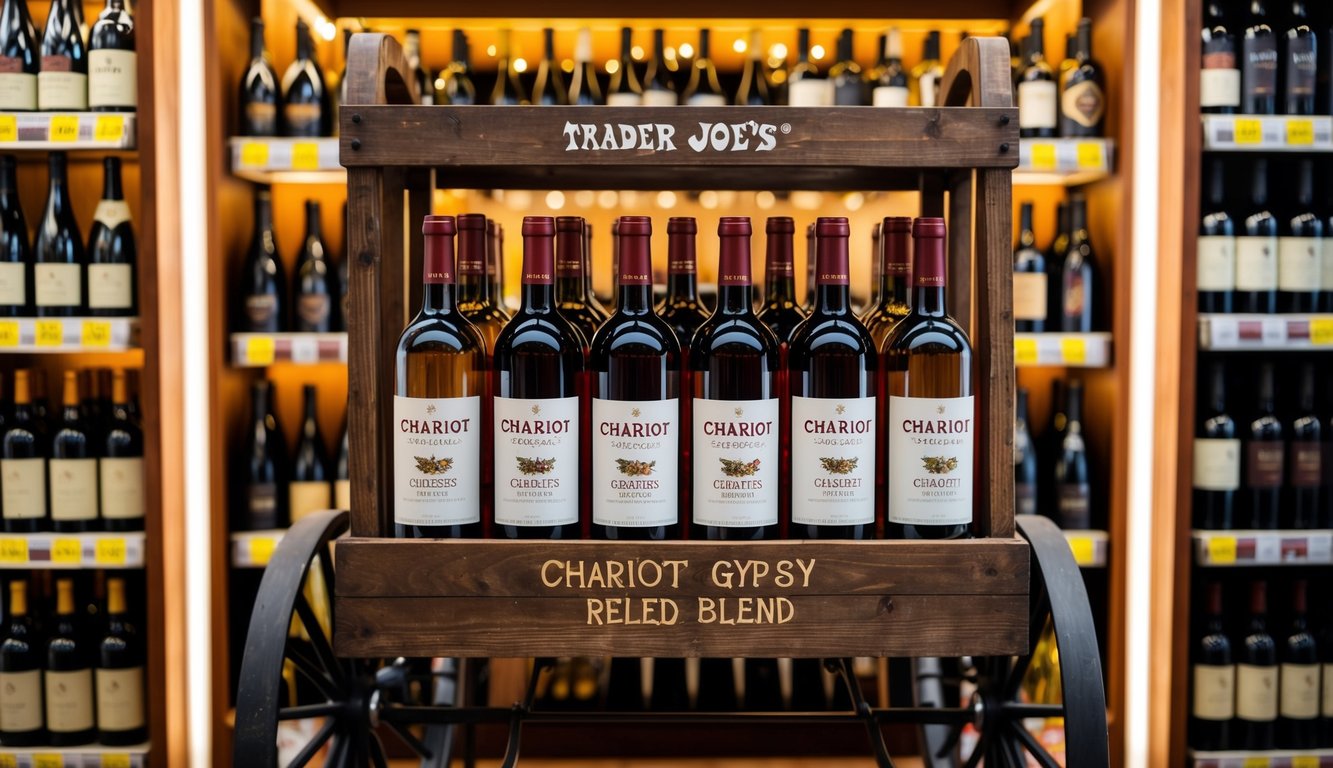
(1310,758)
(1089,547)
(1270,333)
(95,756)
(1267,133)
(253,549)
(1073,350)
(1063,162)
(253,350)
(1244,548)
(28,335)
(69,131)
(287,161)
(71,550)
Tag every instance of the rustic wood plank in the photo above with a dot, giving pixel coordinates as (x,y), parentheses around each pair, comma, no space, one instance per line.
(978,75)
(689,10)
(993,349)
(959,287)
(377,71)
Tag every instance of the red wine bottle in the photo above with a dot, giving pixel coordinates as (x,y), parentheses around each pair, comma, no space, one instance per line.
(1078,278)
(584,87)
(659,87)
(58,253)
(62,83)
(1038,98)
(23,452)
(549,88)
(72,470)
(1217,456)
(1300,247)
(849,83)
(306,112)
(112,62)
(895,279)
(1030,291)
(262,467)
(1259,63)
(263,280)
(261,99)
(120,469)
(1300,61)
(1219,79)
(15,250)
(1025,460)
(112,252)
(831,369)
(1073,494)
(635,362)
(780,312)
(703,89)
(1257,249)
(1256,678)
(20,49)
(70,712)
(1263,458)
(1213,670)
(1298,679)
(121,717)
(624,90)
(1083,90)
(736,417)
(538,367)
(458,86)
(681,309)
(21,663)
(1305,457)
(572,297)
(1216,271)
(309,490)
(314,278)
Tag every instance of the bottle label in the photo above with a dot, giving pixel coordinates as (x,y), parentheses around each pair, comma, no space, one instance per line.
(1217,263)
(623,100)
(261,118)
(1260,62)
(1029,295)
(59,285)
(73,489)
(736,462)
(1214,692)
(112,213)
(437,460)
(635,453)
(20,701)
(1328,690)
(1219,87)
(109,286)
(1301,65)
(112,78)
(120,699)
(261,310)
(1075,293)
(1298,264)
(23,488)
(1084,103)
(1263,464)
(302,119)
(1037,104)
(707,100)
(13,284)
(18,90)
(1025,499)
(1326,264)
(536,461)
(1306,464)
(1299,684)
(307,498)
(1073,506)
(930,460)
(661,98)
(1216,464)
(58,88)
(810,92)
(833,460)
(889,96)
(69,701)
(313,309)
(930,85)
(1256,693)
(1256,263)
(342,494)
(122,488)
(261,504)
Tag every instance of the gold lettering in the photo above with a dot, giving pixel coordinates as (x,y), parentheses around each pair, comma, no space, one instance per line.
(613,611)
(784,578)
(546,581)
(674,612)
(724,580)
(643,578)
(614,569)
(744,609)
(760,570)
(707,610)
(595,608)
(764,612)
(596,578)
(806,569)
(785,616)
(675,566)
(571,573)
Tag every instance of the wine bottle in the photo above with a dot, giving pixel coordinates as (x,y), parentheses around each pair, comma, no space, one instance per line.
(342,474)
(1055,261)
(928,362)
(313,299)
(670,691)
(121,470)
(716,691)
(458,86)
(549,88)
(261,100)
(584,88)
(890,83)
(73,468)
(1298,679)
(305,100)
(58,255)
(734,359)
(659,85)
(1300,60)
(121,718)
(309,490)
(1300,247)
(849,83)
(810,260)
(15,251)
(23,451)
(780,311)
(806,85)
(1078,278)
(1219,79)
(263,280)
(572,298)
(1025,459)
(475,302)
(20,674)
(440,379)
(831,365)
(1304,462)
(1217,457)
(1030,290)
(508,91)
(1256,678)
(1083,90)
(1263,458)
(62,83)
(923,82)
(112,252)
(703,89)
(895,275)
(635,362)
(753,90)
(69,675)
(112,63)
(1259,63)
(624,90)
(1216,246)
(538,366)
(1073,495)
(262,503)
(1213,670)
(420,75)
(681,309)
(20,51)
(1257,250)
(495,265)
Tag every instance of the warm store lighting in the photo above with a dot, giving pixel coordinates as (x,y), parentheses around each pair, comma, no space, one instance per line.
(669,53)
(708,199)
(490,50)
(612,67)
(637,52)
(778,51)
(607,199)
(555,199)
(854,201)
(567,66)
(816,52)
(739,46)
(686,51)
(585,198)
(520,65)
(666,199)
(765,200)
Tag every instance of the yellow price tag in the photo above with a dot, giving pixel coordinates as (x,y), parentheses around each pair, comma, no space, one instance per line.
(1257,762)
(9,128)
(109,128)
(47,760)
(305,156)
(66,551)
(50,333)
(1025,351)
(261,549)
(116,761)
(1321,331)
(109,552)
(1073,351)
(9,761)
(64,128)
(1222,550)
(1249,131)
(9,333)
(1300,132)
(1090,155)
(1043,157)
(1083,548)
(260,350)
(254,154)
(1305,761)
(13,551)
(96,333)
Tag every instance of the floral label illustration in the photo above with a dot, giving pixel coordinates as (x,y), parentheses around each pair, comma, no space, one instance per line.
(735,455)
(635,453)
(930,460)
(833,460)
(437,460)
(536,461)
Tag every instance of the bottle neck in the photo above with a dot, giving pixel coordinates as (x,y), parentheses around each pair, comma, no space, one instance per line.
(312,228)
(111,187)
(437,290)
(1217,392)
(703,45)
(803,46)
(1037,42)
(779,271)
(832,283)
(1083,43)
(257,40)
(538,285)
(309,408)
(682,268)
(626,48)
(929,270)
(302,44)
(635,279)
(472,284)
(115,597)
(1026,237)
(734,281)
(8,181)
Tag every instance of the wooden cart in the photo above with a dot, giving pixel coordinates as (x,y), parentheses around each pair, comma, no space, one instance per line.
(986,599)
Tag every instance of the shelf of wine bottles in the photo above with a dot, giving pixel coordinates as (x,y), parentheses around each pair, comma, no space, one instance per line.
(1064,162)
(68,334)
(1277,758)
(1271,333)
(73,550)
(1089,547)
(253,549)
(1060,302)
(74,757)
(1267,133)
(69,131)
(270,160)
(1227,548)
(1073,350)
(254,350)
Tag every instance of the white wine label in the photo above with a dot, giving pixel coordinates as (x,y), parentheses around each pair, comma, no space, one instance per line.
(112,213)
(120,699)
(1214,691)
(1328,690)
(623,100)
(1326,264)
(1030,296)
(437,460)
(889,96)
(1216,464)
(736,462)
(1037,104)
(112,78)
(1219,87)
(1217,263)
(23,487)
(58,285)
(833,460)
(307,498)
(810,92)
(536,461)
(1256,263)
(1299,684)
(635,458)
(13,283)
(930,88)
(122,488)
(73,489)
(1084,103)
(1256,693)
(658,98)
(705,100)
(20,701)
(18,91)
(61,90)
(302,119)
(1298,264)
(342,494)
(69,701)
(110,286)
(930,460)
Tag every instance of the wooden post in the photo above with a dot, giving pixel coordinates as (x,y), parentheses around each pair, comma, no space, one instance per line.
(959,287)
(994,352)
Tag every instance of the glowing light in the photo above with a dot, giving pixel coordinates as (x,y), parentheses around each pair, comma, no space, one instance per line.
(686,50)
(490,50)
(739,46)
(854,201)
(440,84)
(607,199)
(778,51)
(629,199)
(816,52)
(585,198)
(669,53)
(666,199)
(520,65)
(518,200)
(555,199)
(567,66)
(637,52)
(807,201)
(765,200)
(327,29)
(612,67)
(708,199)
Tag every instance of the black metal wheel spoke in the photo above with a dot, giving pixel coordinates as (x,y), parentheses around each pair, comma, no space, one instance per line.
(330,709)
(338,754)
(377,752)
(1033,747)
(309,668)
(313,746)
(318,640)
(412,742)
(326,570)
